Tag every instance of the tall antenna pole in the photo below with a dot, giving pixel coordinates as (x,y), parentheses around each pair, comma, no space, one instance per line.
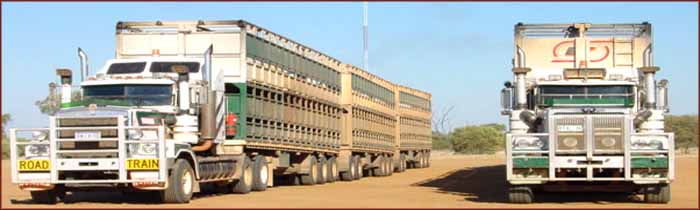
(365,36)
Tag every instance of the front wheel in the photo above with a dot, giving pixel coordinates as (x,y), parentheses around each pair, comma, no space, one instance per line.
(520,194)
(658,193)
(180,183)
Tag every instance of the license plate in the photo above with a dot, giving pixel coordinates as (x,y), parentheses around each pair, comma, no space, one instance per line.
(88,135)
(570,128)
(142,164)
(33,165)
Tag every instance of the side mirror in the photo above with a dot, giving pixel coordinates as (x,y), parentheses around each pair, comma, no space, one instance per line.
(506,100)
(662,95)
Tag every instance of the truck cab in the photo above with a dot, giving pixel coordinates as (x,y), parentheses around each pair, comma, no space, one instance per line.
(586,112)
(134,123)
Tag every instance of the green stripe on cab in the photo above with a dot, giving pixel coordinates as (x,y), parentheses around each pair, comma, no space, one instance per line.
(530,162)
(649,162)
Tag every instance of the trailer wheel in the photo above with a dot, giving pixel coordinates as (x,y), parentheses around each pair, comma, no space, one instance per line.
(48,196)
(390,166)
(402,163)
(427,159)
(349,175)
(657,194)
(379,170)
(322,170)
(180,183)
(245,181)
(358,168)
(260,173)
(520,194)
(332,170)
(312,177)
(418,161)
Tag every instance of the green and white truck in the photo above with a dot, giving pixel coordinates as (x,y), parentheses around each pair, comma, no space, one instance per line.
(586,112)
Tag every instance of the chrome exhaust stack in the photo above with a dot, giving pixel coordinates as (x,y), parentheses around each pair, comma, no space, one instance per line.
(83,64)
(208,108)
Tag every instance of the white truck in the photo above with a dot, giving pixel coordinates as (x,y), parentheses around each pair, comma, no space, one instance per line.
(224,103)
(586,112)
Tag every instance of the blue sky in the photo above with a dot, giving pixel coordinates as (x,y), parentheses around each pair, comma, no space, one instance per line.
(459,52)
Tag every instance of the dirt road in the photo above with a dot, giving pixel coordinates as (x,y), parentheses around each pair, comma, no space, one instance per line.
(451,182)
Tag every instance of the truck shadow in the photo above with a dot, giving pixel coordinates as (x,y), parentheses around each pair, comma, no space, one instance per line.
(488,185)
(114,197)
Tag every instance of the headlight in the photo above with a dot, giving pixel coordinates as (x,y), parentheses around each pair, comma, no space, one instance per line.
(570,142)
(649,144)
(143,149)
(40,135)
(135,134)
(608,141)
(36,150)
(529,144)
(148,149)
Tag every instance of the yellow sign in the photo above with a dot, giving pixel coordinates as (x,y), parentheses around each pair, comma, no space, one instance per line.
(142,164)
(33,165)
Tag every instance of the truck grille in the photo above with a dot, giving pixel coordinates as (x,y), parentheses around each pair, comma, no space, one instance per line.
(570,134)
(87,123)
(608,134)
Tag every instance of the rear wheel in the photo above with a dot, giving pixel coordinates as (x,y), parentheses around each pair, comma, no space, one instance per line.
(357,166)
(418,161)
(657,194)
(349,175)
(402,163)
(322,170)
(180,183)
(312,177)
(427,160)
(260,173)
(390,166)
(245,181)
(520,194)
(380,169)
(332,170)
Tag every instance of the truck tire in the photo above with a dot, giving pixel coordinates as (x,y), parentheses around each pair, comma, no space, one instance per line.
(322,170)
(427,160)
(657,194)
(312,177)
(358,168)
(48,196)
(402,163)
(379,170)
(390,166)
(332,170)
(260,173)
(419,161)
(349,175)
(245,182)
(520,194)
(180,183)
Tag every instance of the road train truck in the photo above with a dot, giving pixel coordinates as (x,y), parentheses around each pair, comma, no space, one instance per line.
(225,104)
(586,112)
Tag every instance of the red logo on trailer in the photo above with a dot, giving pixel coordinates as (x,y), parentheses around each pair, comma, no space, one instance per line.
(564,52)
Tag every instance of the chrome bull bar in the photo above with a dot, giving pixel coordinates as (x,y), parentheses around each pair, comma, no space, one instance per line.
(52,163)
(556,161)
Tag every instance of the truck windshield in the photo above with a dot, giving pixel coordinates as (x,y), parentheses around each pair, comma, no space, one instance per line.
(126,68)
(130,95)
(608,95)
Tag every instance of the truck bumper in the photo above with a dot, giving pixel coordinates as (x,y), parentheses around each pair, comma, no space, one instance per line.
(117,166)
(631,166)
